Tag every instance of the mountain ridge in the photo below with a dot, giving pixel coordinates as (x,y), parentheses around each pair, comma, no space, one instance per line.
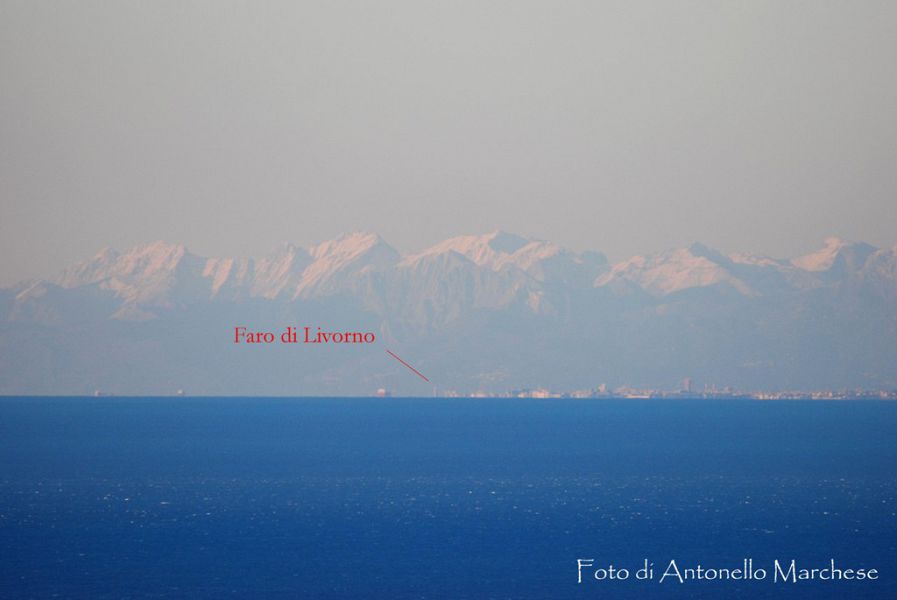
(298,271)
(494,311)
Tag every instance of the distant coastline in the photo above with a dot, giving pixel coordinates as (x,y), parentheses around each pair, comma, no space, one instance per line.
(539,394)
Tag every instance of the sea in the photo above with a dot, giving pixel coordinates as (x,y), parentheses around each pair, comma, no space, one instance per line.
(400,498)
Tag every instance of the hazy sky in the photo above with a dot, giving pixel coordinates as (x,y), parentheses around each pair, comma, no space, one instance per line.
(620,126)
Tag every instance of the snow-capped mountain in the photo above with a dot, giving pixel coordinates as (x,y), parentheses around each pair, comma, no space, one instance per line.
(674,271)
(492,311)
(698,266)
(338,265)
(836,255)
(544,261)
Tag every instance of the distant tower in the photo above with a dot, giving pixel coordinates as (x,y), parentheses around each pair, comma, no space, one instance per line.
(686,385)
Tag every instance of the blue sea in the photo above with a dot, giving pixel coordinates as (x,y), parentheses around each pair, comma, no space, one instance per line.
(440,498)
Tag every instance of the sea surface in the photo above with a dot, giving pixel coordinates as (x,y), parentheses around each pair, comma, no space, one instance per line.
(440,498)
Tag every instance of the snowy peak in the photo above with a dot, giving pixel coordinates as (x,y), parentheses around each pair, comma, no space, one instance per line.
(542,260)
(759,260)
(484,250)
(280,272)
(836,255)
(90,271)
(490,270)
(337,263)
(552,264)
(140,263)
(148,275)
(348,247)
(427,261)
(699,266)
(527,256)
(880,270)
(673,271)
(227,273)
(143,272)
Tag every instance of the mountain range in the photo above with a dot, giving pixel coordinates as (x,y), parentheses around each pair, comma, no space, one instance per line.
(489,312)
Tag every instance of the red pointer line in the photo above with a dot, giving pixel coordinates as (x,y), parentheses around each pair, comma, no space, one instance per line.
(419,374)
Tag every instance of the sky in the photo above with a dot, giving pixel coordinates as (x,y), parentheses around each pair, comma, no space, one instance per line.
(625,127)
